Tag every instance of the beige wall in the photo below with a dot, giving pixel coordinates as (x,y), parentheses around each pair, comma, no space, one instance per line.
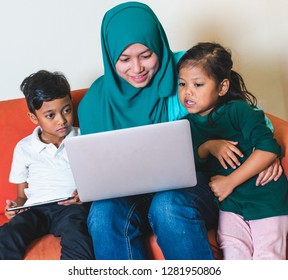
(64,35)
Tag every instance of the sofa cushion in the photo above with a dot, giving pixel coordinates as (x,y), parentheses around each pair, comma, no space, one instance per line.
(14,126)
(45,248)
(281,134)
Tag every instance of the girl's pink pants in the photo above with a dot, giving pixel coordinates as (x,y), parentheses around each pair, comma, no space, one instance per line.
(263,239)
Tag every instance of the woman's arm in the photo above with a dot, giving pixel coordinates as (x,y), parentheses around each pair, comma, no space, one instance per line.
(272,172)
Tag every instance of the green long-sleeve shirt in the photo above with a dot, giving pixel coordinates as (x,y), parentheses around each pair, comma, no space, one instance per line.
(237,121)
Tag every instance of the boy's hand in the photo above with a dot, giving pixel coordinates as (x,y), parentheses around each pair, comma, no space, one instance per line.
(74,200)
(10,214)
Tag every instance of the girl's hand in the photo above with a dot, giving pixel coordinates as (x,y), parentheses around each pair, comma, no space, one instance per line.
(221,186)
(225,151)
(273,172)
(74,200)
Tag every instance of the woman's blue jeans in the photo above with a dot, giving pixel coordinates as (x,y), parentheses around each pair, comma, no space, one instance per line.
(178,218)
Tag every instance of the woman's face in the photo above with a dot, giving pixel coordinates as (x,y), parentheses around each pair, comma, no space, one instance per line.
(137,65)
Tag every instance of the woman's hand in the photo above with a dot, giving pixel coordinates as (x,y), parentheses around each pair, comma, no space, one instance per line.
(225,151)
(272,172)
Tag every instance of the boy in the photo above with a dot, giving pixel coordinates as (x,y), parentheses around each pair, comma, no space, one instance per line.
(41,170)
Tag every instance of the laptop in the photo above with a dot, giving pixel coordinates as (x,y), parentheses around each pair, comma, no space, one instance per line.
(132,161)
(28,206)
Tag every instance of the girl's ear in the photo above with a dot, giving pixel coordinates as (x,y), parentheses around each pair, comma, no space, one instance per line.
(224,87)
(32,117)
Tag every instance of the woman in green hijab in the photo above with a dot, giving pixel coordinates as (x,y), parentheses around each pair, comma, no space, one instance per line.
(139,87)
(111,102)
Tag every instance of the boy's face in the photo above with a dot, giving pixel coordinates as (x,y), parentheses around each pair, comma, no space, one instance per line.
(55,118)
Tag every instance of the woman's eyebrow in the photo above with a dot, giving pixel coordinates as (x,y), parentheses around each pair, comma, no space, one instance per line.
(147,50)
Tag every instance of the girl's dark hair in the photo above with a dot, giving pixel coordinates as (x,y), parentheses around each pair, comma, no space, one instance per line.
(44,86)
(217,63)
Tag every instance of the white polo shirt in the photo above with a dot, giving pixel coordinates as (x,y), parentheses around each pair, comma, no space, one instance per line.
(44,167)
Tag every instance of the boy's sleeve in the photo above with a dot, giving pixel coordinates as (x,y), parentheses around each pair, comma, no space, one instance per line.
(19,169)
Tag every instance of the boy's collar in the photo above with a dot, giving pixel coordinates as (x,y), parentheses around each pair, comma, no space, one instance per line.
(39,145)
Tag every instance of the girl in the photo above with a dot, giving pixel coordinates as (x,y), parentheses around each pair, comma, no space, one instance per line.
(253,221)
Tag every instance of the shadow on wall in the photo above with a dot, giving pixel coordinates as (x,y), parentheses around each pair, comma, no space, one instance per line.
(284,81)
(263,66)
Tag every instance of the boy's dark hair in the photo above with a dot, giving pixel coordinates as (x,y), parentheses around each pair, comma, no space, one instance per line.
(44,86)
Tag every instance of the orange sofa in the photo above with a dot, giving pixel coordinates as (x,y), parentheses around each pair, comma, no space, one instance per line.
(14,125)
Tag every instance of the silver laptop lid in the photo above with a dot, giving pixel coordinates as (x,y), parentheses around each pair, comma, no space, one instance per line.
(132,161)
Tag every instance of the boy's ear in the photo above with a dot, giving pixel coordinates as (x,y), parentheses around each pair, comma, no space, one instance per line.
(224,87)
(32,117)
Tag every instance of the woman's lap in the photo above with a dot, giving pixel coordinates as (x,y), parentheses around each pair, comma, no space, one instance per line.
(119,226)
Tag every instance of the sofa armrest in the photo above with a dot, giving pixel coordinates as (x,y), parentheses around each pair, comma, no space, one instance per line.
(281,135)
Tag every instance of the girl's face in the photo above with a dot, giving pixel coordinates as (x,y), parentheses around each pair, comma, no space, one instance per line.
(55,118)
(137,65)
(197,91)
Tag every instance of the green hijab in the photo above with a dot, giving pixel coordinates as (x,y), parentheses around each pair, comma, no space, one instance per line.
(111,102)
